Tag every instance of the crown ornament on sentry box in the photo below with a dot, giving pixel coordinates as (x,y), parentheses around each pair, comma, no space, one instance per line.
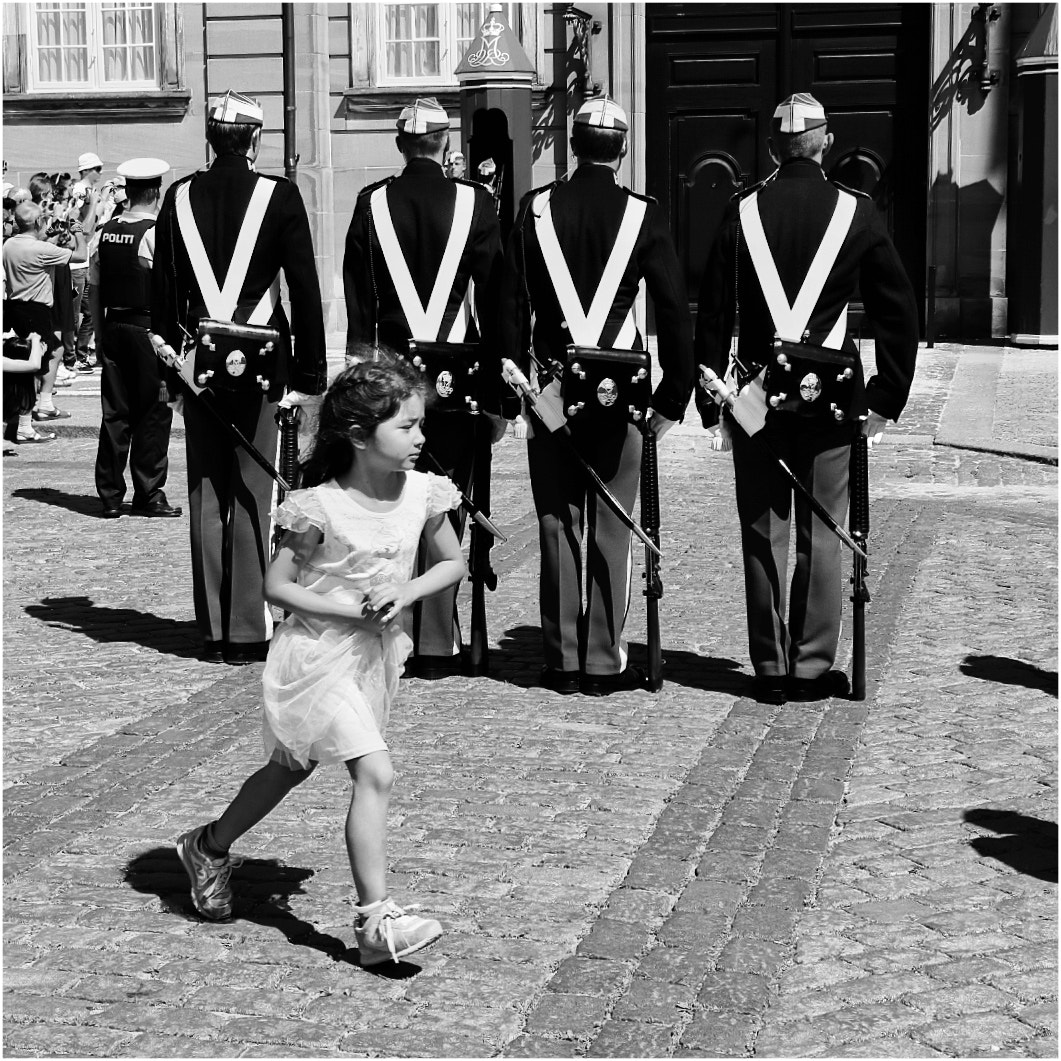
(495,50)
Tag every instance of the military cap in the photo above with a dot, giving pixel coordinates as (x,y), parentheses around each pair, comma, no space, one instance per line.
(425,115)
(143,169)
(602,113)
(89,160)
(234,108)
(799,113)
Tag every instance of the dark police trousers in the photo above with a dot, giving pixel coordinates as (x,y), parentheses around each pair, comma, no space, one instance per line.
(574,637)
(805,645)
(135,428)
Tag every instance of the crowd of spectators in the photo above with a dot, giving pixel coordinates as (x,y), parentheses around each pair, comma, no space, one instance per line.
(47,229)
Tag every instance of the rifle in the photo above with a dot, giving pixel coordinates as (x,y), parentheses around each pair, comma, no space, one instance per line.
(653,579)
(483,533)
(859,524)
(482,575)
(554,423)
(750,417)
(287,423)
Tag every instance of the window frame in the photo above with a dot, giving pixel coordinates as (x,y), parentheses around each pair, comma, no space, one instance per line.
(95,84)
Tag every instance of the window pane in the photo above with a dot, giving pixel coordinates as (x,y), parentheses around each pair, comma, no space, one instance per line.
(50,64)
(143,64)
(426,20)
(427,64)
(75,64)
(115,64)
(48,28)
(74,26)
(143,26)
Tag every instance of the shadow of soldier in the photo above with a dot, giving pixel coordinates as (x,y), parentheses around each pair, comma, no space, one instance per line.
(115,625)
(82,504)
(262,890)
(1010,672)
(1028,845)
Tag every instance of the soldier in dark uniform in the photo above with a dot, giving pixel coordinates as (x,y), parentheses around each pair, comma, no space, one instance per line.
(401,284)
(136,416)
(221,199)
(793,218)
(594,220)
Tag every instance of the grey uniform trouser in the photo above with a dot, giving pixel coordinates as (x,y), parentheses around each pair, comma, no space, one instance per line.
(590,637)
(219,469)
(804,644)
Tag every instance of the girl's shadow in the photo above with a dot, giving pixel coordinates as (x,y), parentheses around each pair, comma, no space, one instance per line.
(262,892)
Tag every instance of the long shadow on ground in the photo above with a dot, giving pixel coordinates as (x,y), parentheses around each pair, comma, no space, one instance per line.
(517,660)
(262,890)
(82,504)
(1028,845)
(1008,671)
(116,625)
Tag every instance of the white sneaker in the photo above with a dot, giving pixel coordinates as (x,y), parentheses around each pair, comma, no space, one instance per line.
(211,890)
(64,374)
(384,930)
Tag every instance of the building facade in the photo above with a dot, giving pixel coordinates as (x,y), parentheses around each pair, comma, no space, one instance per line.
(930,104)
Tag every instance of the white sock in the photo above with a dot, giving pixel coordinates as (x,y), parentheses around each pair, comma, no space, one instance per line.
(366,910)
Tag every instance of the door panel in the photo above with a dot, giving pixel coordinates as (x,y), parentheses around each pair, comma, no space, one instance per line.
(715,72)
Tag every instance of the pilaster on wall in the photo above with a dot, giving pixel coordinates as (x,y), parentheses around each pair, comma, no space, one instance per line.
(968,170)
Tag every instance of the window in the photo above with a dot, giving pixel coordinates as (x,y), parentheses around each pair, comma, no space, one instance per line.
(421,44)
(109,46)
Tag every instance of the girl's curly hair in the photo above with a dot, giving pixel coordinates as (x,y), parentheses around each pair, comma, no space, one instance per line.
(358,401)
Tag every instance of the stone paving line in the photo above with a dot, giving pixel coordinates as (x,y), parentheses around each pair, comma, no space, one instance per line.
(690,874)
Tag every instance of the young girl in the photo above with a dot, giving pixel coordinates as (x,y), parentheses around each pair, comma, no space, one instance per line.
(343,573)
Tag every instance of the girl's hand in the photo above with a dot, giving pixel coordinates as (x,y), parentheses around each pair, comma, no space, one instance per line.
(385,603)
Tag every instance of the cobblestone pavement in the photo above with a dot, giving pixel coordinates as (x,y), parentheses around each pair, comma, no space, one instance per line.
(681,874)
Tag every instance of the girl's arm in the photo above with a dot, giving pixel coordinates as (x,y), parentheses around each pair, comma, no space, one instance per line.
(388,600)
(282,588)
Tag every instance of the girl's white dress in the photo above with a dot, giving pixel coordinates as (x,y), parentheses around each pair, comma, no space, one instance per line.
(328,686)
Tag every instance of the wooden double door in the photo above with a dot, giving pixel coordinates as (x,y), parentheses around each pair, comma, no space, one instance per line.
(715,73)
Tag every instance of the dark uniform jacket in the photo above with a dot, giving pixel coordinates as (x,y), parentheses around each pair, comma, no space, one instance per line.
(219,198)
(796,207)
(587,211)
(422,200)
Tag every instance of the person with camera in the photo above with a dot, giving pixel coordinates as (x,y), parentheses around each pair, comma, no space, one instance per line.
(84,203)
(136,417)
(799,236)
(226,221)
(31,258)
(596,239)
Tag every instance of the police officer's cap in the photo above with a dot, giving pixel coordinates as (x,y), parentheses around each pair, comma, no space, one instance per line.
(143,169)
(425,115)
(800,113)
(602,113)
(234,108)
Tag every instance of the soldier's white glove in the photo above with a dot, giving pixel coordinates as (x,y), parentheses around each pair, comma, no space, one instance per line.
(873,428)
(659,424)
(177,405)
(719,438)
(309,407)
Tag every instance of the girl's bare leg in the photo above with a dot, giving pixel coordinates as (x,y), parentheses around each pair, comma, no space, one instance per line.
(366,824)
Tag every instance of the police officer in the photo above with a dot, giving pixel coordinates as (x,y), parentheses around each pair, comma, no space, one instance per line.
(760,264)
(423,257)
(136,418)
(205,218)
(564,237)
